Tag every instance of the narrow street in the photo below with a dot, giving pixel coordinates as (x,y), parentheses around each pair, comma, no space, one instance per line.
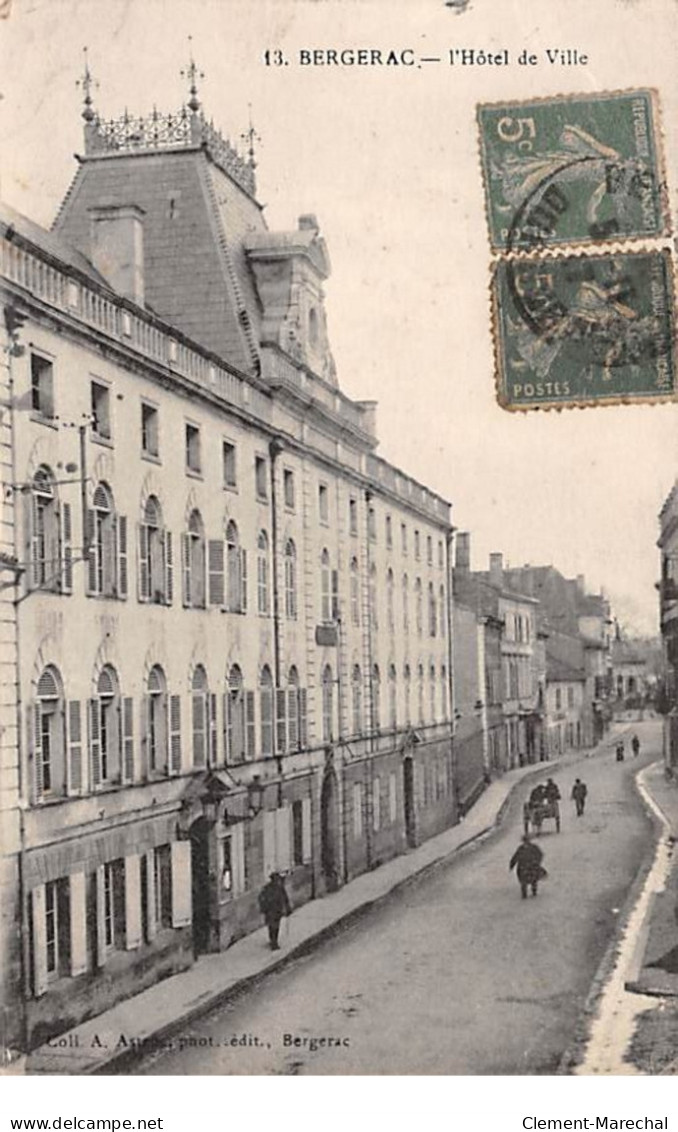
(456,974)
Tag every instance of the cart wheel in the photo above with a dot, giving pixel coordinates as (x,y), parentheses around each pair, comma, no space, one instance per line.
(558,823)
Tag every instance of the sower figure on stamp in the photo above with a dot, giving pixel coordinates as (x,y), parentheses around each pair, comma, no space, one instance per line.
(527,861)
(579,792)
(274,904)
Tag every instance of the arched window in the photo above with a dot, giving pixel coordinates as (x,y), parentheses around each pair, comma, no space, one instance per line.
(420,693)
(101,520)
(392,698)
(157,721)
(155,556)
(44,530)
(49,738)
(376,698)
(355,592)
(105,730)
(236,571)
(328,704)
(442,607)
(418,606)
(236,732)
(290,580)
(443,692)
(357,699)
(296,726)
(194,562)
(432,611)
(408,694)
(432,693)
(374,618)
(325,587)
(406,605)
(266,711)
(263,601)
(200,716)
(390,613)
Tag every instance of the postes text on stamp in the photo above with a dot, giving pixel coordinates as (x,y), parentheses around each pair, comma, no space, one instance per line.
(572,170)
(584,329)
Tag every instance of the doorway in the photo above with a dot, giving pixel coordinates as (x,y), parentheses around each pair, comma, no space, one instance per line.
(329,832)
(200,885)
(408,796)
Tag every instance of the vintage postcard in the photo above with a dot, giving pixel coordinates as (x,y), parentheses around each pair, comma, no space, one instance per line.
(338,713)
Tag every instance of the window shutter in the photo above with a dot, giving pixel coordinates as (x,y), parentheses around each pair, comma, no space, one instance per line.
(123,580)
(101,918)
(74,783)
(144,579)
(335,595)
(182,910)
(306,831)
(270,863)
(90,545)
(143,732)
(169,568)
(280,720)
(67,549)
(303,718)
(238,858)
(228,728)
(213,740)
(215,554)
(243,581)
(175,734)
(292,718)
(127,760)
(151,924)
(198,573)
(53,549)
(39,941)
(94,743)
(77,923)
(132,902)
(186,569)
(283,852)
(30,542)
(250,726)
(34,717)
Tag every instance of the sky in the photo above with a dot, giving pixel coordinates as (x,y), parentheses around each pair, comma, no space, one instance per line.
(387,159)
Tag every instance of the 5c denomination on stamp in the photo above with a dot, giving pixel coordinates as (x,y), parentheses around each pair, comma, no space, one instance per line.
(584,329)
(572,170)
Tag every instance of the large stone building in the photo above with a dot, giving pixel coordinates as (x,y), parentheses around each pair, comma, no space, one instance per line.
(225,644)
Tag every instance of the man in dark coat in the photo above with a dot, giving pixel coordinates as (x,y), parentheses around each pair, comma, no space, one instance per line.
(274,904)
(579,792)
(527,861)
(551,792)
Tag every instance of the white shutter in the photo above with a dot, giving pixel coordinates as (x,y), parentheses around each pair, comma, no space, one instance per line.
(101,917)
(306,831)
(151,925)
(269,843)
(238,858)
(123,579)
(283,839)
(78,923)
(39,941)
(182,905)
(132,902)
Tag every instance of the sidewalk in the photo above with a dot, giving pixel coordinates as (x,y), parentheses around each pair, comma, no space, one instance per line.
(147,1019)
(656,971)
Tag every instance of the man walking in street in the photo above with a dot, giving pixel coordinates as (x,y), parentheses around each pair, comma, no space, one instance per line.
(579,792)
(274,904)
(527,861)
(635,746)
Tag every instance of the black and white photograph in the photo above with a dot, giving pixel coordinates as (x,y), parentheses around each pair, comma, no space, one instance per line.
(338,543)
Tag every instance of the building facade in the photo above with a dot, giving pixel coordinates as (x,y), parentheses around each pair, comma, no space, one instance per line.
(668,621)
(227,628)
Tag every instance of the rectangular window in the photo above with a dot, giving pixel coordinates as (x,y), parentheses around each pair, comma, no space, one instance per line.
(42,386)
(162,867)
(228,463)
(323,503)
(558,699)
(357,810)
(429,550)
(297,833)
(261,477)
(376,804)
(417,546)
(389,532)
(149,430)
(353,516)
(372,524)
(114,905)
(227,866)
(403,538)
(193,457)
(441,555)
(101,410)
(288,488)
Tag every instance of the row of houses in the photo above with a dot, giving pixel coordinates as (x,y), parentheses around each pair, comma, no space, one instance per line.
(234,639)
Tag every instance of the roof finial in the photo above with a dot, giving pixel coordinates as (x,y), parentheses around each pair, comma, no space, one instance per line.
(88,84)
(251,136)
(192,74)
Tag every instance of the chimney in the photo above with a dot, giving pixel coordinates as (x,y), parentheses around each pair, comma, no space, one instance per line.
(462,552)
(581,585)
(497,570)
(117,247)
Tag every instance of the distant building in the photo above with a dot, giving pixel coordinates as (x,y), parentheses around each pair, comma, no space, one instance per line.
(565,691)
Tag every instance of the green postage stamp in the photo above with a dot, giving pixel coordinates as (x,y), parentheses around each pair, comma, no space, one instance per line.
(584,329)
(572,169)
